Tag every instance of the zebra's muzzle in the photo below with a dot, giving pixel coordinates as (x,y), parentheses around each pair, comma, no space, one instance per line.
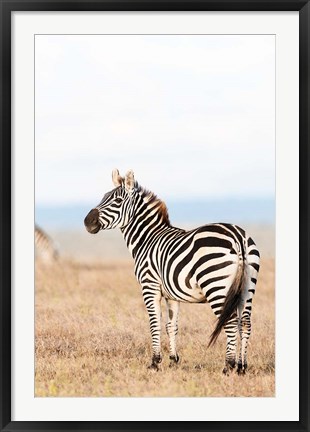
(91,221)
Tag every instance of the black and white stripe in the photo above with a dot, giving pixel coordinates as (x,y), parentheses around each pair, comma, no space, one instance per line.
(45,247)
(216,263)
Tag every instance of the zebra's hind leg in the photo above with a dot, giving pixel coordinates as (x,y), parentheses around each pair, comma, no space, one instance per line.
(244,313)
(172,329)
(244,331)
(231,330)
(245,307)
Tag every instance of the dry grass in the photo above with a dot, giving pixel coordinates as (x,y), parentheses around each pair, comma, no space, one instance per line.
(93,339)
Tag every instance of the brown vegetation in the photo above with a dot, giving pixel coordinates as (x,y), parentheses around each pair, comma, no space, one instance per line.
(93,339)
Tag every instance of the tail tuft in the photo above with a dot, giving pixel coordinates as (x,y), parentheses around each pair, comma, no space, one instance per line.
(231,303)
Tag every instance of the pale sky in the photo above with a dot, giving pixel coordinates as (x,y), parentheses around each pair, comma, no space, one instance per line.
(193,116)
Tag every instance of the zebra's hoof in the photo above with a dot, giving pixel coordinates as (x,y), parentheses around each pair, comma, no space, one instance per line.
(153,367)
(155,362)
(241,369)
(229,366)
(174,360)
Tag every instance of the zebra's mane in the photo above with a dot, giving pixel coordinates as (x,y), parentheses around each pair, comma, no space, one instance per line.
(151,198)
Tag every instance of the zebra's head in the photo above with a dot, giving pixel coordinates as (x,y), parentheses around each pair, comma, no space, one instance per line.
(116,208)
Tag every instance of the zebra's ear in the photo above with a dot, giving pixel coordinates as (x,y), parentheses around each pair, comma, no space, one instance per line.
(129,181)
(117,179)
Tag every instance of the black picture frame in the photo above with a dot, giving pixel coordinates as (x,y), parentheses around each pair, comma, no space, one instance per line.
(7,7)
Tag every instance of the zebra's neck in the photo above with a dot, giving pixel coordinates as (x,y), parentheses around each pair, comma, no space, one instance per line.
(150,219)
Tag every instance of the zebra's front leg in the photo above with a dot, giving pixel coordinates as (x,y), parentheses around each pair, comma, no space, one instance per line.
(152,298)
(172,329)
(231,330)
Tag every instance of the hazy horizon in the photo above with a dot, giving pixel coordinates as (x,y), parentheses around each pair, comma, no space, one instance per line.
(188,212)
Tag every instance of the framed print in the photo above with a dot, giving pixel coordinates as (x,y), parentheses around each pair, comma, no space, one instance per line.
(154,215)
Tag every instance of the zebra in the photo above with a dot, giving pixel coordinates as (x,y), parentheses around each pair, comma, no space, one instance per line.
(45,247)
(216,263)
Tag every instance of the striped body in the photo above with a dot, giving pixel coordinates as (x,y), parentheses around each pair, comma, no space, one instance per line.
(216,263)
(190,266)
(45,247)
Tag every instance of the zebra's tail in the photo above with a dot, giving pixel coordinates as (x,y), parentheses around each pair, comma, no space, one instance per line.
(231,302)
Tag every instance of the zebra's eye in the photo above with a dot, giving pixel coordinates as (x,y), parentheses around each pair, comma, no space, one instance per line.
(118,200)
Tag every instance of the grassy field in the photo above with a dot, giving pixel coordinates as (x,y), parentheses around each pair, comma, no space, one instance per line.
(93,339)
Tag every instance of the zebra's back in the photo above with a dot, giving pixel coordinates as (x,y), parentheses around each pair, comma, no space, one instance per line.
(201,264)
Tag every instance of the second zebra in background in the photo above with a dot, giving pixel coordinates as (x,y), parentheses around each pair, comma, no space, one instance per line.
(45,248)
